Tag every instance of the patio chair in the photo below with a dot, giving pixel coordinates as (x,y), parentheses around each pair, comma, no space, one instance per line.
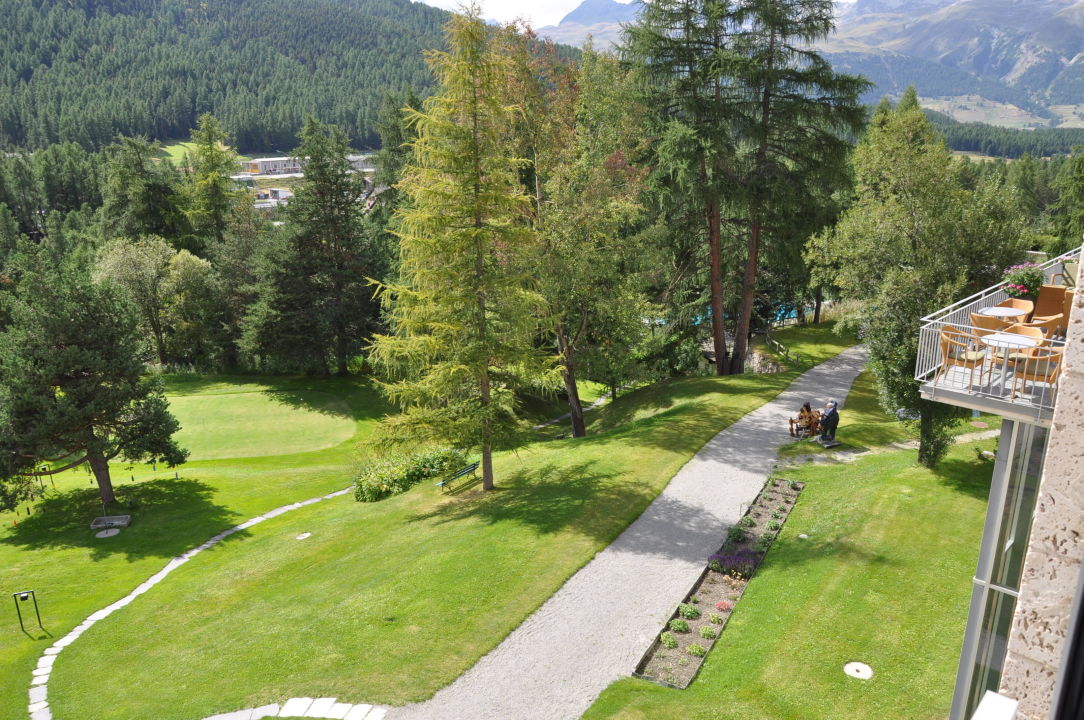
(960,349)
(1051,326)
(983,325)
(1020,304)
(1070,268)
(1050,302)
(1043,365)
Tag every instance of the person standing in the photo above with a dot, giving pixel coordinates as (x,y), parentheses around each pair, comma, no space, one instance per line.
(829,422)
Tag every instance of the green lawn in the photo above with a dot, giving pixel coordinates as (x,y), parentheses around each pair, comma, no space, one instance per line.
(883,578)
(385,602)
(74,574)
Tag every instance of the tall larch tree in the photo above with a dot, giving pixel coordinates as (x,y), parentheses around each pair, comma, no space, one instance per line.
(463,316)
(793,118)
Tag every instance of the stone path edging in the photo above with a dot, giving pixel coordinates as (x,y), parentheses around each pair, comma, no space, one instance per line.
(595,628)
(296,707)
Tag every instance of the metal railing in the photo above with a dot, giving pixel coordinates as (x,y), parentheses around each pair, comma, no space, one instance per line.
(988,362)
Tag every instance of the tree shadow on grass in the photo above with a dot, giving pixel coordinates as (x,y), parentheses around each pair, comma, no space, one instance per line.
(600,506)
(169,516)
(970,477)
(549,499)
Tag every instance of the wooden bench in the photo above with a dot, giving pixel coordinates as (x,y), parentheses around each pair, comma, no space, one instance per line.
(471,470)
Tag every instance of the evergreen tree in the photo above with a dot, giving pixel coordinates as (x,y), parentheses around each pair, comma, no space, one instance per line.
(209,190)
(463,317)
(142,196)
(793,118)
(72,388)
(1069,209)
(314,305)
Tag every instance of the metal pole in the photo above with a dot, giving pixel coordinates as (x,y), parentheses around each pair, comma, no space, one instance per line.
(15,597)
(36,611)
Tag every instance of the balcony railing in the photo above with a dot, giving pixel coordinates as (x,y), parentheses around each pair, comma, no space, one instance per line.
(1010,371)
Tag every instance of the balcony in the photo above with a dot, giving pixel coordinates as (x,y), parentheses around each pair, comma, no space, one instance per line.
(975,354)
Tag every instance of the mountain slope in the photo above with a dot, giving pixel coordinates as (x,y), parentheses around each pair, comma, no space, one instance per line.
(87,70)
(599,19)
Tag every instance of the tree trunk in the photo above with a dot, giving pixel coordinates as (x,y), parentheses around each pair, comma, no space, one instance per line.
(568,372)
(748,291)
(817,300)
(718,328)
(487,467)
(340,353)
(100,466)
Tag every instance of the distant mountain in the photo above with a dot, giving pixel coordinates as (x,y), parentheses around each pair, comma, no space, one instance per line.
(599,19)
(1017,62)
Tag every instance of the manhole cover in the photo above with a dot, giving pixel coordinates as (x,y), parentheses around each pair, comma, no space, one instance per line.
(109,532)
(302,536)
(858,670)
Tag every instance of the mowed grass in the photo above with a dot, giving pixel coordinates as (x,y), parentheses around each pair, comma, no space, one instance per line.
(54,552)
(883,578)
(388,602)
(234,421)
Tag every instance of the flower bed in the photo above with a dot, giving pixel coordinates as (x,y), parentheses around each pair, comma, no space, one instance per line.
(677,654)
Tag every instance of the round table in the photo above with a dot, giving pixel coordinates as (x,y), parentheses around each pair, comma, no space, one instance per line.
(1010,341)
(1002,312)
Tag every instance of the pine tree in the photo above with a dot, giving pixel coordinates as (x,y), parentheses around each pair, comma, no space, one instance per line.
(209,190)
(462,316)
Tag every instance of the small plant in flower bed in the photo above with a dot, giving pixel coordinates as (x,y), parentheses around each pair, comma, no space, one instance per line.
(679,625)
(776,515)
(782,508)
(1024,279)
(391,475)
(740,564)
(795,485)
(774,525)
(764,542)
(735,535)
(715,619)
(747,522)
(688,611)
(697,650)
(708,632)
(724,605)
(668,640)
(694,600)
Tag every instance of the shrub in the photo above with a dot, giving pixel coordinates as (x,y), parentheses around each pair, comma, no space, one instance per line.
(391,475)
(679,625)
(764,542)
(688,611)
(697,650)
(715,619)
(747,521)
(774,525)
(668,640)
(739,564)
(708,632)
(735,535)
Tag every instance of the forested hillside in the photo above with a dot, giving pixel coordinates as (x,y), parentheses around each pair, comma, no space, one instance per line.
(1006,142)
(85,71)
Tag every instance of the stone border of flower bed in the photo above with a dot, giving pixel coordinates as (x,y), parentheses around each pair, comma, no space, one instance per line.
(679,651)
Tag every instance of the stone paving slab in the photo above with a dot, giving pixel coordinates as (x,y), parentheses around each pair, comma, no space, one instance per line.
(554,665)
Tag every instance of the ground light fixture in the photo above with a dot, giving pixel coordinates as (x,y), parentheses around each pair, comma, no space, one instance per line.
(21,597)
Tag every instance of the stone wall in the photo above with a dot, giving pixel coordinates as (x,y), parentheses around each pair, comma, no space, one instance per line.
(1056,547)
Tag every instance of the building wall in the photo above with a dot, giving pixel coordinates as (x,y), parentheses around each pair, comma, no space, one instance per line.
(1052,567)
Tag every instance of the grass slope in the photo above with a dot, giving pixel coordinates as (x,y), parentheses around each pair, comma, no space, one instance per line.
(884,578)
(74,574)
(389,602)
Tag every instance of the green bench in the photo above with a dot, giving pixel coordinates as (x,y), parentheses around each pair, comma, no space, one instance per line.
(471,470)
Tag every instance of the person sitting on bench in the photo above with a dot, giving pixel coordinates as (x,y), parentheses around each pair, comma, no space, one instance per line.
(800,426)
(829,422)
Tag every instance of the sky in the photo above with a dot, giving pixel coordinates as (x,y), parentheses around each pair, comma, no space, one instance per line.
(538,12)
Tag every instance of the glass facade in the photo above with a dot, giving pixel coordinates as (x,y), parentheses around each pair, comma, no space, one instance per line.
(1013,493)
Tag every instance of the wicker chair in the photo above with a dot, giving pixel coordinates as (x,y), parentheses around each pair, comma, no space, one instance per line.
(960,349)
(984,325)
(1019,304)
(1042,365)
(1050,302)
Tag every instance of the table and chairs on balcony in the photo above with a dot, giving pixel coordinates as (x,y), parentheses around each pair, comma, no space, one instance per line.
(1009,345)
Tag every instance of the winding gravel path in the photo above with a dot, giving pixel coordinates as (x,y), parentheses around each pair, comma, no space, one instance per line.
(556,663)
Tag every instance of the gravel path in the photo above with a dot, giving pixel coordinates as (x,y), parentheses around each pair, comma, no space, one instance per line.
(556,663)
